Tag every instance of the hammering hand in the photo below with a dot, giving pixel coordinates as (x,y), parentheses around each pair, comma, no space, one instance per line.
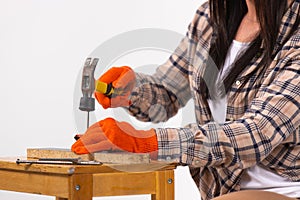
(114,87)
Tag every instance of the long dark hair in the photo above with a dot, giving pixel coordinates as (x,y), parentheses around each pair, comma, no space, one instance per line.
(226,16)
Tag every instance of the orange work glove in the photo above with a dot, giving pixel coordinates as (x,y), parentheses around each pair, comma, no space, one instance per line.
(109,134)
(123,81)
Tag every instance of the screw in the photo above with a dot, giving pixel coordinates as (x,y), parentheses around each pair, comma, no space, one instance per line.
(170,181)
(77,187)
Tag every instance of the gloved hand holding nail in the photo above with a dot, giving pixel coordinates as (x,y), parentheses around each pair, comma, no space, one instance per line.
(109,134)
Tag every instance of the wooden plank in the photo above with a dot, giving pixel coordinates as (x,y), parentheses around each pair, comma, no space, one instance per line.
(34,183)
(164,185)
(36,153)
(105,157)
(118,184)
(122,157)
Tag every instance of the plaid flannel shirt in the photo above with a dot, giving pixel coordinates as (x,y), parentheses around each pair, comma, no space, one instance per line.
(263,120)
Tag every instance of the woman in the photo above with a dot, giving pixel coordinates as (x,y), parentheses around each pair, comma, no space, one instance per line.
(240,62)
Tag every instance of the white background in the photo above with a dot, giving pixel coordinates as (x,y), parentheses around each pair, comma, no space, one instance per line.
(43,44)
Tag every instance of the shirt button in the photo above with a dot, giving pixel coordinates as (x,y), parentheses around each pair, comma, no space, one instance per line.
(197,163)
(238,82)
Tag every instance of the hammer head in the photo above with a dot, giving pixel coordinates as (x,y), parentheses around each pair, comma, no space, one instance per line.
(87,102)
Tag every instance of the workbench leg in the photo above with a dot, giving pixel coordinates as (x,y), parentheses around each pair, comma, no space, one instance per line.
(81,187)
(164,185)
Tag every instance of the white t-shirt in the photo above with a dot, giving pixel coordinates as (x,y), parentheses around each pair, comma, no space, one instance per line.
(255,178)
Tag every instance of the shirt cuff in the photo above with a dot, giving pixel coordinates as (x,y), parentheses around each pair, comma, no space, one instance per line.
(174,145)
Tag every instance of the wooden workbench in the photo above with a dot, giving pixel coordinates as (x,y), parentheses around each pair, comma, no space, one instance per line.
(78,182)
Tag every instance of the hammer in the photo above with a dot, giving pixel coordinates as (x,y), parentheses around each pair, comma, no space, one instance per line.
(87,102)
(89,85)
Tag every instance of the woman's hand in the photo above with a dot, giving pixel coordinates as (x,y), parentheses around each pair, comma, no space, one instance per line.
(109,134)
(123,81)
